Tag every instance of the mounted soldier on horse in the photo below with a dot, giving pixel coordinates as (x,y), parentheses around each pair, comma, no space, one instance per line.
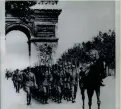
(91,77)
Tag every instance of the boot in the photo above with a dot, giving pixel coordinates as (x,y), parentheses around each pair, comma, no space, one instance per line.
(73,101)
(28,103)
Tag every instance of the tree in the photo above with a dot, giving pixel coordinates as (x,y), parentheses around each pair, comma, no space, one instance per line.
(104,43)
(75,55)
(19,9)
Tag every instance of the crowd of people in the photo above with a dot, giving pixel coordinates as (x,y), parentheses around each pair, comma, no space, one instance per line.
(56,82)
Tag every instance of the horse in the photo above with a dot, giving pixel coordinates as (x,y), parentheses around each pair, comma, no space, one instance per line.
(91,83)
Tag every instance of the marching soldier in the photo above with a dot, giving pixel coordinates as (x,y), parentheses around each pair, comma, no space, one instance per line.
(14,79)
(19,80)
(30,82)
(68,82)
(74,83)
(46,86)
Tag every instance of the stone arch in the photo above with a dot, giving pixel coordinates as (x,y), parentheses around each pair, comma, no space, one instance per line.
(20,27)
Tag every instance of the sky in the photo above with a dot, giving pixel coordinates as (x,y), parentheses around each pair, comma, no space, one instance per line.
(79,21)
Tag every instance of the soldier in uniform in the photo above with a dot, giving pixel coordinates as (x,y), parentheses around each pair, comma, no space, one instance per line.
(14,79)
(46,85)
(68,82)
(74,83)
(95,63)
(30,82)
(19,80)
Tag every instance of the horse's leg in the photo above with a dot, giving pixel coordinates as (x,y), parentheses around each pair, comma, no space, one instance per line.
(83,97)
(90,92)
(98,96)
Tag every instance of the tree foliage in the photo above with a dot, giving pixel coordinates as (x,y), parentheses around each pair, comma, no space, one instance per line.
(19,8)
(104,43)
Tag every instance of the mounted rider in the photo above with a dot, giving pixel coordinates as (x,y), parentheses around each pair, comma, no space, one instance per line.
(98,62)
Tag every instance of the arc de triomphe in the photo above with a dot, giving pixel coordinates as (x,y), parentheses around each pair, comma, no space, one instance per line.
(40,29)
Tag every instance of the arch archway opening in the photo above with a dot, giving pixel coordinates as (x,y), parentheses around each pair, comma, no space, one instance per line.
(19,27)
(16,50)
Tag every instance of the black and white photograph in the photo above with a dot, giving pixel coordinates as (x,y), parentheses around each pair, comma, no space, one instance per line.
(59,55)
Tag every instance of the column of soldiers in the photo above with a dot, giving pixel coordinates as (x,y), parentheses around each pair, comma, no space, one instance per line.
(43,83)
(59,82)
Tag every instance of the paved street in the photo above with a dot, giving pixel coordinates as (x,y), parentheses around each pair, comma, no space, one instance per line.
(13,100)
